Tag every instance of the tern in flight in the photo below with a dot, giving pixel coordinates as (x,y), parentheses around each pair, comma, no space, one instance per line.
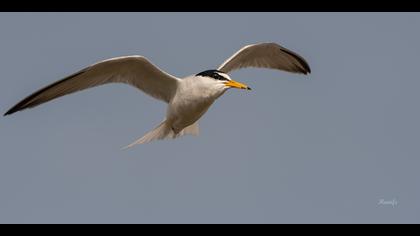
(188,98)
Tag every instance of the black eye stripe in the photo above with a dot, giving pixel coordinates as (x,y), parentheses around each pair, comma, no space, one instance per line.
(213,74)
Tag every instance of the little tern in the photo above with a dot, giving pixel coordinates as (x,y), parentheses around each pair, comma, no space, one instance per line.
(188,98)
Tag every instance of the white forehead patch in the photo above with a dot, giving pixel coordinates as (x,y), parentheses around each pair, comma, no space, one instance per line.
(224,75)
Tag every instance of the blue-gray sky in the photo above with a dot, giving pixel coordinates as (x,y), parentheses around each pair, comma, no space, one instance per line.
(323,148)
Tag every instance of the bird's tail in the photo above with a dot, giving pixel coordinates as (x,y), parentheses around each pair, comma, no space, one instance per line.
(164,131)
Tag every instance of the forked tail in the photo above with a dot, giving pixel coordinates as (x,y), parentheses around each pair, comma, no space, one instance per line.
(164,131)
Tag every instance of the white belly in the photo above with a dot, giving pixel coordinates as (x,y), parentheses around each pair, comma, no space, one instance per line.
(192,99)
(184,113)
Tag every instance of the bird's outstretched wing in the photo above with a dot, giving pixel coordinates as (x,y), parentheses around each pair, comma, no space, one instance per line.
(133,70)
(266,55)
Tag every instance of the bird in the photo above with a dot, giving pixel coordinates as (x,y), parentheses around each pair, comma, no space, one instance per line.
(187,99)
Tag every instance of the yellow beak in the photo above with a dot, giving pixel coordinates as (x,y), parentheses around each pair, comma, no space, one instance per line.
(234,84)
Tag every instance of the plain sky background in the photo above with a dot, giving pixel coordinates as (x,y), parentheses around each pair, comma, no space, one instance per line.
(322,148)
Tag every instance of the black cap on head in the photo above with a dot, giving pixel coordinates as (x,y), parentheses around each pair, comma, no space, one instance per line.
(215,74)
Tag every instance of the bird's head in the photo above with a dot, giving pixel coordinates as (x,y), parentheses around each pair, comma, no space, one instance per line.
(222,79)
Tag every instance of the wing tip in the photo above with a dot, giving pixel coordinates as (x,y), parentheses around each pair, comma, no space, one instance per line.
(307,69)
(306,66)
(12,110)
(301,69)
(303,66)
(8,113)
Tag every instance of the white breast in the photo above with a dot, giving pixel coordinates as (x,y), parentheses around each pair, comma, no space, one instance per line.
(194,96)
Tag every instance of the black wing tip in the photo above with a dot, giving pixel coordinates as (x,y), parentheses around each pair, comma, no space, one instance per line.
(307,70)
(19,106)
(302,69)
(8,113)
(29,101)
(303,65)
(11,111)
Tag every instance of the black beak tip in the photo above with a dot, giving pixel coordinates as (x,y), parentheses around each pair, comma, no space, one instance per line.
(248,88)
